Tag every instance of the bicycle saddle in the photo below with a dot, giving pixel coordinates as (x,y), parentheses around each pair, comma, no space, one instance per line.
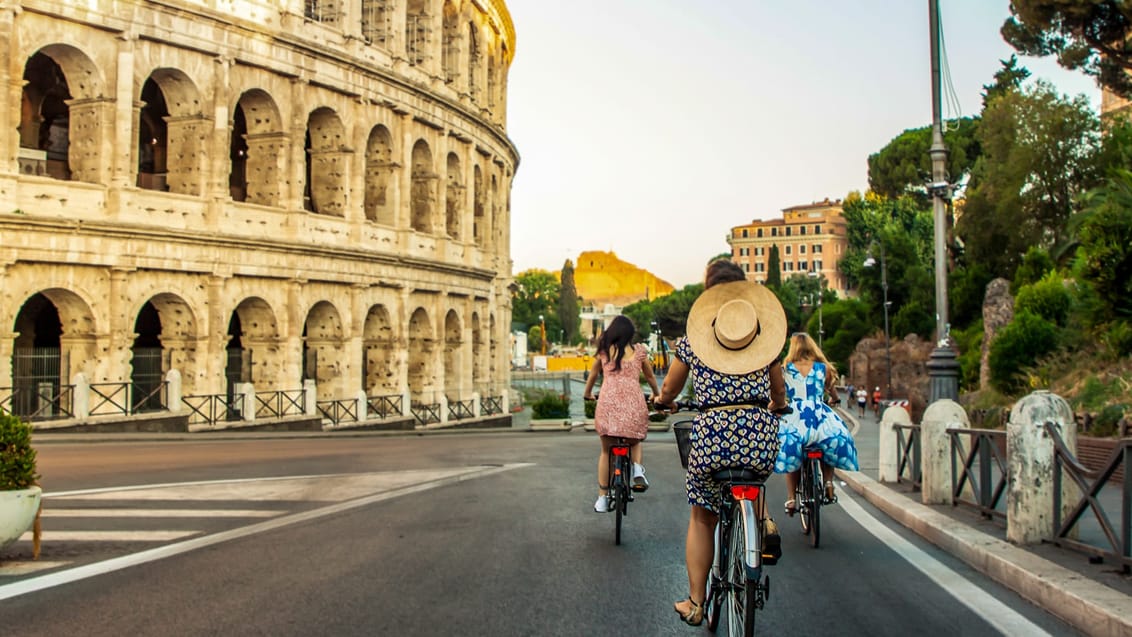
(738,474)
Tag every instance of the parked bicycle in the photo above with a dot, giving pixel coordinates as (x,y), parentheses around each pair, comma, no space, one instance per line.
(736,580)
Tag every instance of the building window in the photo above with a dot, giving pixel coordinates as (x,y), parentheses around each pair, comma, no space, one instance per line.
(760,267)
(787,249)
(816,248)
(802,230)
(802,249)
(774,232)
(817,266)
(802,266)
(759,233)
(744,233)
(788,266)
(788,231)
(759,251)
(817,229)
(746,267)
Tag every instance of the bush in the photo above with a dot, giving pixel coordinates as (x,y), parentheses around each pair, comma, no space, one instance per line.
(551,406)
(1107,422)
(1118,338)
(17,457)
(970,344)
(1020,344)
(590,407)
(1047,298)
(1035,264)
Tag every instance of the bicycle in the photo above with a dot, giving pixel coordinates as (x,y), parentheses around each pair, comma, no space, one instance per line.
(736,576)
(620,490)
(810,495)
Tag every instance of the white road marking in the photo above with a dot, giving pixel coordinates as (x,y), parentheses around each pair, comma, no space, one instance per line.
(12,569)
(110,536)
(59,578)
(49,512)
(1005,619)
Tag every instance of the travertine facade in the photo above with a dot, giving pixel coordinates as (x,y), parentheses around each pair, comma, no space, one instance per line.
(256,191)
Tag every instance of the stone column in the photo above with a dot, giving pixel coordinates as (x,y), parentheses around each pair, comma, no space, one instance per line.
(10,112)
(91,134)
(888,462)
(115,362)
(267,169)
(215,347)
(293,337)
(1030,459)
(935,448)
(124,132)
(330,177)
(187,164)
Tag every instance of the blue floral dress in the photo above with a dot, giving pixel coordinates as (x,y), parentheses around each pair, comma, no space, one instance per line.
(735,437)
(813,423)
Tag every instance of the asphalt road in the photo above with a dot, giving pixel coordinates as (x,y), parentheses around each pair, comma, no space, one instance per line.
(469,534)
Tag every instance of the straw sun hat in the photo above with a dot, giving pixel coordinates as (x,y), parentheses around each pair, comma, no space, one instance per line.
(737,327)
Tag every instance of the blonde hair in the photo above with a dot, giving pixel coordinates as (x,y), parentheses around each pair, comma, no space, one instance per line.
(803,348)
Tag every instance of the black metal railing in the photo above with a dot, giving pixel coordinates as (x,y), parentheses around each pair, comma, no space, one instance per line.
(277,404)
(1090,484)
(425,413)
(491,405)
(124,399)
(973,469)
(908,454)
(461,409)
(338,411)
(384,406)
(46,402)
(209,409)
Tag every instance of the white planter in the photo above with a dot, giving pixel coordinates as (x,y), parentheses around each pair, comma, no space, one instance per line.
(550,424)
(17,513)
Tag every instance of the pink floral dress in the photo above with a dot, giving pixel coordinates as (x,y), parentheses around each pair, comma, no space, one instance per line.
(621,410)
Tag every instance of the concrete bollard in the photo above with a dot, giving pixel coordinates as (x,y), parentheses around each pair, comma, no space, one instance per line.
(888,462)
(247,404)
(173,396)
(81,399)
(1030,461)
(476,404)
(363,405)
(310,396)
(935,449)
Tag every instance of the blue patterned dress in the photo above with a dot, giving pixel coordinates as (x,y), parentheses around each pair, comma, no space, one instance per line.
(734,437)
(812,423)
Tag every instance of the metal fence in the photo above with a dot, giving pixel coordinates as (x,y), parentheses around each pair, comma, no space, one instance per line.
(908,454)
(978,468)
(461,409)
(277,404)
(338,411)
(125,399)
(46,402)
(210,409)
(491,405)
(385,406)
(425,413)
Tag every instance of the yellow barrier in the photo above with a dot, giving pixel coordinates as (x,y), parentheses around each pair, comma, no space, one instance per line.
(569,363)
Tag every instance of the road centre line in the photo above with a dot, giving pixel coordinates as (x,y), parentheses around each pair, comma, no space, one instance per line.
(163,485)
(59,578)
(111,536)
(48,512)
(1005,619)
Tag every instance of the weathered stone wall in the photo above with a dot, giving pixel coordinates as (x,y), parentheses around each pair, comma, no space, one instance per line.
(998,311)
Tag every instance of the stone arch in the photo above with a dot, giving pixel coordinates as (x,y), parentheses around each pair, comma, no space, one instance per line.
(172,134)
(324,345)
(165,337)
(454,198)
(418,32)
(63,116)
(326,164)
(257,345)
(258,150)
(453,345)
(55,333)
(421,374)
(450,48)
(377,22)
(475,59)
(423,195)
(379,353)
(481,229)
(379,176)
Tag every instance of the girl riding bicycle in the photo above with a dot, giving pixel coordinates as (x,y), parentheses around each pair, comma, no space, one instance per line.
(809,375)
(734,334)
(621,410)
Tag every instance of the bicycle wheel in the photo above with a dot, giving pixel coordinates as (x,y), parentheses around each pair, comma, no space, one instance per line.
(620,503)
(801,497)
(743,592)
(817,493)
(717,579)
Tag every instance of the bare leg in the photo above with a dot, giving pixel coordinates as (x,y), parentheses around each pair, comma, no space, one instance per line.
(699,551)
(636,453)
(603,466)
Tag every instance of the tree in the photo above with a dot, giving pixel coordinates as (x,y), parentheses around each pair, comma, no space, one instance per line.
(773,268)
(904,167)
(535,293)
(1105,235)
(1086,35)
(568,314)
(1009,78)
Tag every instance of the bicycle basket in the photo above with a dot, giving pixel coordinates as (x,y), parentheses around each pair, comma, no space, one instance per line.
(683,430)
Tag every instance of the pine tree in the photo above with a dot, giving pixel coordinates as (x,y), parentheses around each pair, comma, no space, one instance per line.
(568,315)
(773,269)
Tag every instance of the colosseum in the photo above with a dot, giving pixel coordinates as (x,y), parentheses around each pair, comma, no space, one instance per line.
(231,212)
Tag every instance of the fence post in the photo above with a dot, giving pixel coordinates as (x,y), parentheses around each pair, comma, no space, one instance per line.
(406,404)
(81,398)
(1030,461)
(363,406)
(248,408)
(310,396)
(443,400)
(173,378)
(476,404)
(888,465)
(935,449)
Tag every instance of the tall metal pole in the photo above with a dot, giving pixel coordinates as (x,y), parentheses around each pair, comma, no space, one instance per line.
(887,339)
(942,368)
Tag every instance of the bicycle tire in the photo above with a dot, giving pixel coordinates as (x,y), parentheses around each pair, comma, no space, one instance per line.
(716,579)
(801,495)
(743,592)
(817,494)
(621,499)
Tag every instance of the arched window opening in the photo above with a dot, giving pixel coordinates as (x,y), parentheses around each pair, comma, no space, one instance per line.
(238,155)
(377,22)
(423,196)
(147,372)
(418,32)
(153,138)
(44,120)
(379,176)
(39,369)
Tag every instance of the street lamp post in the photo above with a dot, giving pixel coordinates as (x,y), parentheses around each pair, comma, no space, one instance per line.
(542,333)
(821,292)
(870,262)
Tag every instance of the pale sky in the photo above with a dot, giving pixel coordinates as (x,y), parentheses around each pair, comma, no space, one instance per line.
(651,127)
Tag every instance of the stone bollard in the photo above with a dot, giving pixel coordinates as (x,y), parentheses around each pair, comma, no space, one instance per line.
(1030,462)
(888,462)
(173,395)
(310,396)
(935,449)
(476,404)
(81,400)
(362,401)
(247,403)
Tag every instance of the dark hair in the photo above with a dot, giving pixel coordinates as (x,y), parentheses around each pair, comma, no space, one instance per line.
(617,336)
(723,271)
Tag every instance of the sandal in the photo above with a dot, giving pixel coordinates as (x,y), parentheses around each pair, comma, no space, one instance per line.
(791,507)
(772,543)
(695,616)
(830,495)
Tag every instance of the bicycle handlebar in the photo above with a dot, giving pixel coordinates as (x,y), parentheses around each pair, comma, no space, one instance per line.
(680,405)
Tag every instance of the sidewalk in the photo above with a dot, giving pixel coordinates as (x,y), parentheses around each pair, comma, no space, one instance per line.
(1094,598)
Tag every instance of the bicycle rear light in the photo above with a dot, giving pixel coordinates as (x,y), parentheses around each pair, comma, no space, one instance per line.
(813,454)
(744,492)
(620,451)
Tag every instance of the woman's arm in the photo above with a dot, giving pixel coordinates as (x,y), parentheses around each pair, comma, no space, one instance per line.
(777,387)
(650,377)
(673,382)
(592,379)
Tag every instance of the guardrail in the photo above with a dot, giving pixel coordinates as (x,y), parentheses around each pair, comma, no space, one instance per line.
(338,411)
(491,405)
(110,399)
(425,413)
(277,404)
(41,405)
(384,406)
(461,409)
(973,469)
(1090,484)
(908,454)
(209,409)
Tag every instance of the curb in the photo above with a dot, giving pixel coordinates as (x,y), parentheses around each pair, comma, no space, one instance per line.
(1089,606)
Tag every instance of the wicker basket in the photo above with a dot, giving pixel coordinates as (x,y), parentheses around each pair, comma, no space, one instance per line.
(683,431)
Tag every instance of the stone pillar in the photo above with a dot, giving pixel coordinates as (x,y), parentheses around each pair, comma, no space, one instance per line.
(267,169)
(363,405)
(186,162)
(292,366)
(475,404)
(91,136)
(888,461)
(173,391)
(81,398)
(1030,459)
(935,448)
(124,132)
(10,111)
(247,391)
(443,400)
(215,347)
(330,177)
(115,364)
(310,396)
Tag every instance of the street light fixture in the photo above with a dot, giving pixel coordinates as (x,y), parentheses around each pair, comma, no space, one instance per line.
(870,262)
(542,333)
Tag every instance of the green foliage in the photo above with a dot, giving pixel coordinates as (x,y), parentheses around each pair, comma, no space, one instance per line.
(17,456)
(671,311)
(551,406)
(904,167)
(846,323)
(569,315)
(966,290)
(1104,231)
(1035,264)
(913,318)
(969,341)
(535,293)
(1118,337)
(1085,35)
(590,407)
(773,268)
(1019,345)
(1008,78)
(1107,422)
(1047,298)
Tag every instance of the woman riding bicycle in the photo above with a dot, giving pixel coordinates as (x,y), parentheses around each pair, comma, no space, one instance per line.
(813,423)
(735,331)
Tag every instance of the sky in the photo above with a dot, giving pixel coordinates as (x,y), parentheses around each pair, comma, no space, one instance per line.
(651,127)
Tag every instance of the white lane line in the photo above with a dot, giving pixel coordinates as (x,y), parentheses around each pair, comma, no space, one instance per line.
(59,578)
(12,569)
(110,536)
(1005,619)
(138,487)
(48,512)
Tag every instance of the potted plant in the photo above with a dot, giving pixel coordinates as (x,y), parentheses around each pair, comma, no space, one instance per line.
(19,492)
(590,407)
(552,411)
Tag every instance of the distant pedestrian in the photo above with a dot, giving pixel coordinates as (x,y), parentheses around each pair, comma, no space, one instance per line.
(876,401)
(850,395)
(862,399)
